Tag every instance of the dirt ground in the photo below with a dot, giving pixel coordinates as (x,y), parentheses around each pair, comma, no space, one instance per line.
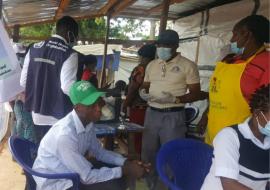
(11,177)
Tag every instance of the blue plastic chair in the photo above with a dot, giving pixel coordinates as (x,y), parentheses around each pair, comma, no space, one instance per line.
(24,152)
(183,164)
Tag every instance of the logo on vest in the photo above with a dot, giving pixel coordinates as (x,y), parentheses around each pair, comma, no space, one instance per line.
(39,44)
(215,84)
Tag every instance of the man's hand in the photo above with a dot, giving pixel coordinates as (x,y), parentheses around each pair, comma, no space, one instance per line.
(145,96)
(167,97)
(146,166)
(132,169)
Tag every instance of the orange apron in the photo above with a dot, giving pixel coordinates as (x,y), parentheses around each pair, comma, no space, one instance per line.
(227,105)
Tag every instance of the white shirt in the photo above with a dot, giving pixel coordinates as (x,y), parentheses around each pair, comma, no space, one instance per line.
(225,163)
(62,151)
(172,76)
(67,78)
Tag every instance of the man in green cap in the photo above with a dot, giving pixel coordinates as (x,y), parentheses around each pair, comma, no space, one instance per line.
(63,148)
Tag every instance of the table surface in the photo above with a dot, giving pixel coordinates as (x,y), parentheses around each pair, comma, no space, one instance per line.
(113,128)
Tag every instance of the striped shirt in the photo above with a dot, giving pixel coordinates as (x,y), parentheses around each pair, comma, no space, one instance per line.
(239,155)
(62,151)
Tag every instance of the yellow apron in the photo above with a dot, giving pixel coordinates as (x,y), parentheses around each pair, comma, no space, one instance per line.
(227,105)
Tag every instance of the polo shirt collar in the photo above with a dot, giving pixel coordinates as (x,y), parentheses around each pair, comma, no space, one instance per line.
(60,37)
(78,124)
(171,61)
(247,133)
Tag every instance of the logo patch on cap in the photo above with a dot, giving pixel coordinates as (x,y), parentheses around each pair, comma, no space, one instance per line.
(83,86)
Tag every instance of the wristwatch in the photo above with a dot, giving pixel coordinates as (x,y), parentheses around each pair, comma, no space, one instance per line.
(177,100)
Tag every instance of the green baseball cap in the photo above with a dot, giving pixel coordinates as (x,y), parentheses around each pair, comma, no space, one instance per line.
(83,92)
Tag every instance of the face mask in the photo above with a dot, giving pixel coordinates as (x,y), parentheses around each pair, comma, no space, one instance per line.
(164,53)
(235,49)
(266,129)
(71,39)
(72,44)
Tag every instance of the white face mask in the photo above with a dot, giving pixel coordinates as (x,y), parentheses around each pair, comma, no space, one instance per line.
(266,129)
(164,53)
(73,42)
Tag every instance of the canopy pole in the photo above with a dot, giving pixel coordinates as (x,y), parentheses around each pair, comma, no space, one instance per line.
(16,33)
(197,51)
(103,70)
(164,15)
(152,30)
(1,8)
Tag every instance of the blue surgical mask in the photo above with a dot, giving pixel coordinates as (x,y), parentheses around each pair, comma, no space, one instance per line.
(235,49)
(266,129)
(164,53)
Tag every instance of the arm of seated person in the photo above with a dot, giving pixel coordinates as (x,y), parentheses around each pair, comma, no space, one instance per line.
(231,184)
(75,162)
(194,94)
(106,156)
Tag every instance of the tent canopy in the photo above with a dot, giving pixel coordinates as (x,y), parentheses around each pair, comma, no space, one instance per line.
(29,12)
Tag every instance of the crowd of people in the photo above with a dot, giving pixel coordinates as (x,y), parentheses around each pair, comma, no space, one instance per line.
(62,103)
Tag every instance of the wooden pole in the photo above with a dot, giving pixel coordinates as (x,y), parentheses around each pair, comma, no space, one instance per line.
(152,30)
(164,16)
(16,33)
(197,51)
(103,70)
(61,8)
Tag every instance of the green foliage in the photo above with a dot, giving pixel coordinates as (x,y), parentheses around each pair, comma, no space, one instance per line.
(92,28)
(37,30)
(124,28)
(120,28)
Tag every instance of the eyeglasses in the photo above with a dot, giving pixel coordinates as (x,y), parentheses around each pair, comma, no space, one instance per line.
(163,70)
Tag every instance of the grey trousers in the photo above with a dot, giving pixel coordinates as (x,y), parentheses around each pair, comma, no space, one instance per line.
(160,127)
